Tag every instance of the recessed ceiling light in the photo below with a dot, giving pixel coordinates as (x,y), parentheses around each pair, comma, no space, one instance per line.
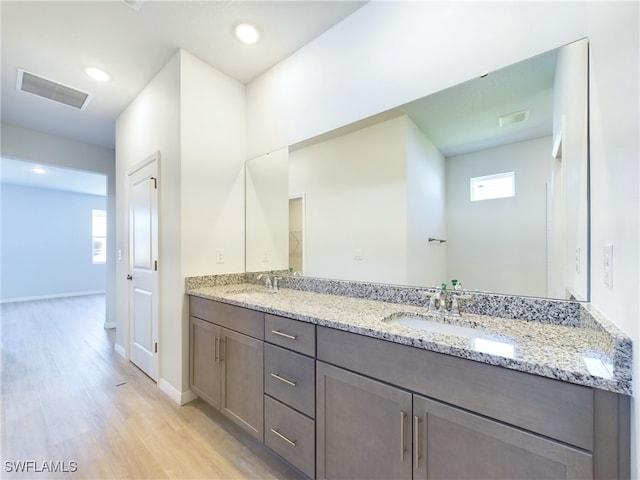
(247,33)
(38,170)
(97,74)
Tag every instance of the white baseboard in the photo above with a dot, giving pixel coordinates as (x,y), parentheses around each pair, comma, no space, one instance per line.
(51,297)
(179,397)
(108,325)
(120,351)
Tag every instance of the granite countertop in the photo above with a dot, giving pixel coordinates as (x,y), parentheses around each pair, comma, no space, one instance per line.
(585,354)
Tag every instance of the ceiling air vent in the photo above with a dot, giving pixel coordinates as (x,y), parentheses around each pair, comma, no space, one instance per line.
(43,87)
(511,118)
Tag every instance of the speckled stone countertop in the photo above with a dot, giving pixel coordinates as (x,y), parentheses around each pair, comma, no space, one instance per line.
(589,351)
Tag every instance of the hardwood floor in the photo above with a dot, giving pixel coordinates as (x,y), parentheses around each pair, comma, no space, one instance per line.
(74,408)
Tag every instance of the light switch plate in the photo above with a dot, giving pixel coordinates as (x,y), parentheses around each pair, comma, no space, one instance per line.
(607,265)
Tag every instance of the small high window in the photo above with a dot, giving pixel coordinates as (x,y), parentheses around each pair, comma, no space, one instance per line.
(99,236)
(500,185)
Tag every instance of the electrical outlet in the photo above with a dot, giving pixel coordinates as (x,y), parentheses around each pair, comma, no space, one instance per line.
(578,260)
(265,255)
(357,254)
(607,265)
(220,255)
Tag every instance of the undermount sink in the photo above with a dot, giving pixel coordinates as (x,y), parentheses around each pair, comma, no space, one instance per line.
(421,322)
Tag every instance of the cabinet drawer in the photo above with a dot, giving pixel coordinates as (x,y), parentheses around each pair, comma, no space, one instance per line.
(290,377)
(291,435)
(238,319)
(291,334)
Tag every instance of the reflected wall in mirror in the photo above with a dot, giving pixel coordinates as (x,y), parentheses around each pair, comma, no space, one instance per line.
(389,199)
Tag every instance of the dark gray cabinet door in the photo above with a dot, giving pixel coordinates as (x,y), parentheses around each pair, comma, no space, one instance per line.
(205,372)
(454,444)
(363,427)
(243,381)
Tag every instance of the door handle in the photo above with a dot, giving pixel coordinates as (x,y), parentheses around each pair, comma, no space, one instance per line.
(129,277)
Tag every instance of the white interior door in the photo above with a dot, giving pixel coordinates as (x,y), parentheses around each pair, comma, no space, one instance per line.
(143,267)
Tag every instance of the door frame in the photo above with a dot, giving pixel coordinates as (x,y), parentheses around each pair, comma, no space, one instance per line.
(153,158)
(303,200)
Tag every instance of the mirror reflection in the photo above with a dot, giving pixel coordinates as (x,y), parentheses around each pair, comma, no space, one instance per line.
(484,183)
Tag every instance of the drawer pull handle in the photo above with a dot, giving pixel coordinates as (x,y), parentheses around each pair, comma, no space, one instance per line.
(290,442)
(282,379)
(285,335)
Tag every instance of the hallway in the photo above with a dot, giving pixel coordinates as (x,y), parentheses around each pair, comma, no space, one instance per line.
(71,405)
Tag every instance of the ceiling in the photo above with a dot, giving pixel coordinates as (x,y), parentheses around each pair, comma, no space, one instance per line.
(58,40)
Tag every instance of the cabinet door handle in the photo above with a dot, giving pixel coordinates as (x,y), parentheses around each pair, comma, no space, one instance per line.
(290,442)
(216,348)
(221,342)
(285,335)
(403,417)
(416,440)
(282,379)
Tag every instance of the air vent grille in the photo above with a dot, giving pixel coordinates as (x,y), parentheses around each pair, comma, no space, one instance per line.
(511,118)
(43,87)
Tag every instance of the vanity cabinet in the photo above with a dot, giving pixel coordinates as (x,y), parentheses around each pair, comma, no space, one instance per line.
(226,361)
(336,404)
(368,429)
(386,410)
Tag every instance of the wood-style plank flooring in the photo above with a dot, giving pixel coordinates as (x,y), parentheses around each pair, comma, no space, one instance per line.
(69,402)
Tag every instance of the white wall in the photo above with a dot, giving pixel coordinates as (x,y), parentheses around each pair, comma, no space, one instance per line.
(499,245)
(213,152)
(47,243)
(267,208)
(614,47)
(150,124)
(355,200)
(389,53)
(194,116)
(426,210)
(29,145)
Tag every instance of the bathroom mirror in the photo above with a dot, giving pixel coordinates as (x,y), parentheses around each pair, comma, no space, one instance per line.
(484,182)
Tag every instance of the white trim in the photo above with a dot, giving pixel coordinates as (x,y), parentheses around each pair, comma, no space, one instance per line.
(150,159)
(108,325)
(179,397)
(120,350)
(49,297)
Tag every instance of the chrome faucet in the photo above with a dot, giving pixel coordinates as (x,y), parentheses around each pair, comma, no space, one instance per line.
(434,302)
(267,280)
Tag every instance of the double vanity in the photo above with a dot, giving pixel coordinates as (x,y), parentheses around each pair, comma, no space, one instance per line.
(360,380)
